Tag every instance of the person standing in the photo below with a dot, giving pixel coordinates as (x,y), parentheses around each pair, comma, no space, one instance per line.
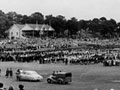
(11,88)
(66,61)
(7,73)
(21,87)
(11,72)
(0,72)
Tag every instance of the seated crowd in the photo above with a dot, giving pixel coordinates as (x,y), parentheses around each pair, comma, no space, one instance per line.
(48,50)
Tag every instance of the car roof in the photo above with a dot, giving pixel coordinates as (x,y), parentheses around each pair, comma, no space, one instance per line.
(63,73)
(30,71)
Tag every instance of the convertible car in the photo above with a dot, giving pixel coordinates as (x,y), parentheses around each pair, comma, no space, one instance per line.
(28,76)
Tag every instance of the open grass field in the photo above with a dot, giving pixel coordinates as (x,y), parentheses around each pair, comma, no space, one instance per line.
(85,77)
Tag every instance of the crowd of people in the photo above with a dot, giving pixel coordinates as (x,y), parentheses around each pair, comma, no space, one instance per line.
(66,50)
(72,56)
(55,43)
(82,56)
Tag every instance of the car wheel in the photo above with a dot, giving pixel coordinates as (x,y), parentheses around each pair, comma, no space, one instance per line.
(49,81)
(60,82)
(66,82)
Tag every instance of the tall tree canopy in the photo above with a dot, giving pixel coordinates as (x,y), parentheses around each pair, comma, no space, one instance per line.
(97,27)
(37,17)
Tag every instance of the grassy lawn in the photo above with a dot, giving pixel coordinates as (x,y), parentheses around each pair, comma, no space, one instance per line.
(85,77)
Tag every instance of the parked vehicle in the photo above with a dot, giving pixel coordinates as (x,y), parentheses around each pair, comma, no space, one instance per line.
(28,75)
(60,78)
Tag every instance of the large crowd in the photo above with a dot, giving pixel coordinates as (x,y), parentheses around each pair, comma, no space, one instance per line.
(57,50)
(55,43)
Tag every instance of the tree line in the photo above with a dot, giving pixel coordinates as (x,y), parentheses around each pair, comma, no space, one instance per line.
(97,27)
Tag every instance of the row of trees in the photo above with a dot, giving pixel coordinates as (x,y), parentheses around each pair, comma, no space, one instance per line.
(98,27)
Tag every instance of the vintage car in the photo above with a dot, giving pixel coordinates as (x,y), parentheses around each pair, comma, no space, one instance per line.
(60,78)
(28,76)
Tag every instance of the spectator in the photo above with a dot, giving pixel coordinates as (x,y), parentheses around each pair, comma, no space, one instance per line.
(0,72)
(66,61)
(1,86)
(21,87)
(18,71)
(53,73)
(11,88)
(7,73)
(11,72)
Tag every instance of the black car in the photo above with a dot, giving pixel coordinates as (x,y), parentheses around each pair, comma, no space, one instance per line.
(60,78)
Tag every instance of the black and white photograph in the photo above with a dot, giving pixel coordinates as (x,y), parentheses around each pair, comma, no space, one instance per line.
(59,45)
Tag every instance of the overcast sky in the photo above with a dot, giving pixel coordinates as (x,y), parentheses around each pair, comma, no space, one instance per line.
(81,9)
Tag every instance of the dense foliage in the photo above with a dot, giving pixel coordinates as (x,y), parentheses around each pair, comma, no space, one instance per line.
(97,28)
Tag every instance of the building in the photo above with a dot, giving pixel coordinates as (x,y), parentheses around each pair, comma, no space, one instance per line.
(29,30)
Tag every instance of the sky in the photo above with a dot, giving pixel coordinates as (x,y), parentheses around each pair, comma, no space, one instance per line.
(81,9)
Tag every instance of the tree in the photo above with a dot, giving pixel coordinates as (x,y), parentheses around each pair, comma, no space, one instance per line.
(109,28)
(58,23)
(5,24)
(118,29)
(49,19)
(13,17)
(37,17)
(102,19)
(25,19)
(94,25)
(82,24)
(72,26)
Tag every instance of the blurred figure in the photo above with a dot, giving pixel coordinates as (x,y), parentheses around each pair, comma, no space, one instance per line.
(1,86)
(0,72)
(21,87)
(53,73)
(66,61)
(18,71)
(11,72)
(7,73)
(11,88)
